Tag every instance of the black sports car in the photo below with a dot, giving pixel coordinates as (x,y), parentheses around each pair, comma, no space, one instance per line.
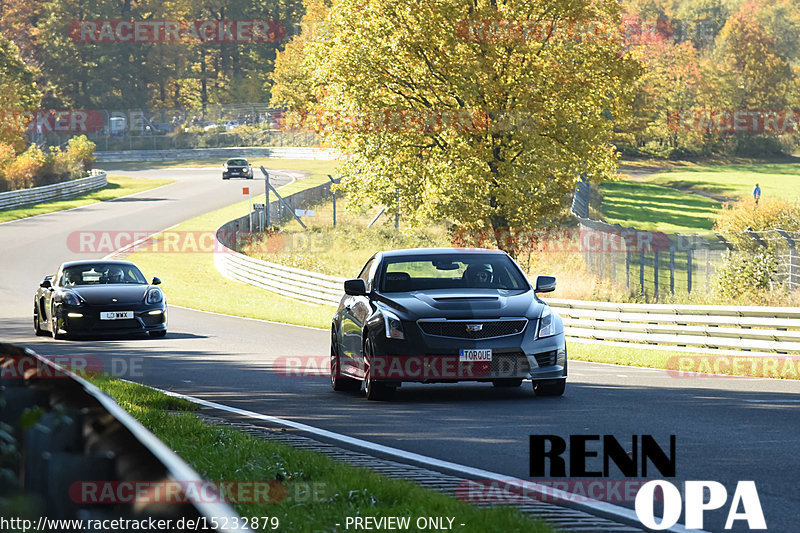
(237,168)
(99,298)
(446,315)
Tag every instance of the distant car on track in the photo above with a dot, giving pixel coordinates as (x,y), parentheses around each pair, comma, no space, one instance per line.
(237,167)
(99,298)
(438,315)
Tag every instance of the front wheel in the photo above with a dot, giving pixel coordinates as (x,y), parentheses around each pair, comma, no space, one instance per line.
(158,334)
(375,390)
(54,327)
(551,387)
(37,326)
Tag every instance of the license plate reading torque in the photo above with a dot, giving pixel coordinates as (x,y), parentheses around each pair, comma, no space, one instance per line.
(471,356)
(116,315)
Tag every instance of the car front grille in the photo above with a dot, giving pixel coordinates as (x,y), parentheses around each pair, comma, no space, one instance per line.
(546,358)
(117,324)
(465,329)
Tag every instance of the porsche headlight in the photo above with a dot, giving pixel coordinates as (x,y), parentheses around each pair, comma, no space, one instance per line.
(394,328)
(154,296)
(546,325)
(70,298)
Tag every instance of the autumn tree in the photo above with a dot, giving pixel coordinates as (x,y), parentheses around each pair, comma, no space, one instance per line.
(484,113)
(19,92)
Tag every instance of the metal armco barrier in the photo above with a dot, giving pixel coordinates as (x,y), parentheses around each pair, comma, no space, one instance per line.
(283,280)
(58,429)
(752,330)
(282,152)
(56,191)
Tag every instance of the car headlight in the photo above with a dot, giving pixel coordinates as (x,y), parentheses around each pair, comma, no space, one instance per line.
(154,296)
(546,326)
(394,328)
(70,298)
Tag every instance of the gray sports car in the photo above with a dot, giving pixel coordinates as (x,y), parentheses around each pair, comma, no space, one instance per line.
(446,315)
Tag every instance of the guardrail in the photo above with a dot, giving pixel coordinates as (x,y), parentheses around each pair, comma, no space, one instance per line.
(752,330)
(56,191)
(60,433)
(286,281)
(280,152)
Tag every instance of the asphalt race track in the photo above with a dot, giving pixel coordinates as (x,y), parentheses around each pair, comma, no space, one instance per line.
(727,429)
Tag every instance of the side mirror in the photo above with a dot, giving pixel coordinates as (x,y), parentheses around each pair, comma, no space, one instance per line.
(545,284)
(46,284)
(156,281)
(355,287)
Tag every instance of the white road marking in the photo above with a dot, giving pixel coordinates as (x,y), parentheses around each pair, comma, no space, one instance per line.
(579,502)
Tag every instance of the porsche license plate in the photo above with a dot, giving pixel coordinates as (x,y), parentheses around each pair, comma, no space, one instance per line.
(115,315)
(473,355)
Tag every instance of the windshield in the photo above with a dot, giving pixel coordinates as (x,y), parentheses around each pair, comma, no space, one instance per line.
(101,274)
(451,271)
(237,162)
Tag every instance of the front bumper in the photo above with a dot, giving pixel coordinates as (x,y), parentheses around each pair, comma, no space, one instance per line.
(85,320)
(237,174)
(430,358)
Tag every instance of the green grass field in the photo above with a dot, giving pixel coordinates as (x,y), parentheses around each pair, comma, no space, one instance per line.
(736,181)
(117,186)
(312,492)
(668,201)
(654,207)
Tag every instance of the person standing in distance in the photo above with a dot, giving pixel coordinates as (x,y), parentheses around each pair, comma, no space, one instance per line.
(756,193)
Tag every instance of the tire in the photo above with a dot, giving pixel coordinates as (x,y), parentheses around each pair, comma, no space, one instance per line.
(37,327)
(552,387)
(158,334)
(54,325)
(507,382)
(375,390)
(339,382)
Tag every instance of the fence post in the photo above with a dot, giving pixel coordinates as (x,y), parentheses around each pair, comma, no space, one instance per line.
(688,269)
(627,267)
(613,266)
(655,276)
(641,271)
(792,250)
(671,267)
(334,200)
